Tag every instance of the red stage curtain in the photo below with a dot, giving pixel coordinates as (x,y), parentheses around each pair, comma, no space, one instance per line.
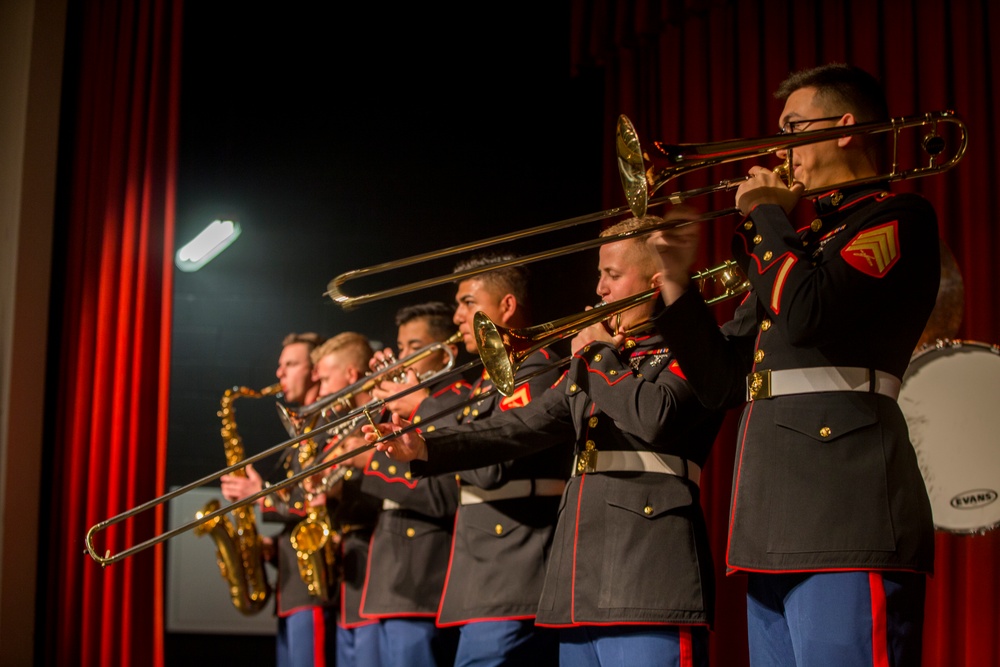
(114,341)
(698,71)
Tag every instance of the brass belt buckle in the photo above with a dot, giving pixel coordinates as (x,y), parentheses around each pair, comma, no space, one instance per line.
(586,461)
(759,384)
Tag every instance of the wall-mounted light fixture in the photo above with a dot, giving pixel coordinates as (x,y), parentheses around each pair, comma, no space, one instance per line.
(210,242)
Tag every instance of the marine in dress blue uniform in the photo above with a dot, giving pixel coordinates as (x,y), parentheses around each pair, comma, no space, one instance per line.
(829,515)
(408,555)
(629,578)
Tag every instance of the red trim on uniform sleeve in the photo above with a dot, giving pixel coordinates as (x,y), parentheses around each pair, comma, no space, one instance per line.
(779,282)
(880,657)
(874,251)
(520,398)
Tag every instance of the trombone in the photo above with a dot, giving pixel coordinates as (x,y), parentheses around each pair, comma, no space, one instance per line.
(644,172)
(366,411)
(502,350)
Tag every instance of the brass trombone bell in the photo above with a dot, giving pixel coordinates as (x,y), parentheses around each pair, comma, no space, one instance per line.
(643,172)
(502,350)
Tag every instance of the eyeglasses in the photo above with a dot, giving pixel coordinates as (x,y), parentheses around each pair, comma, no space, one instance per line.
(793,126)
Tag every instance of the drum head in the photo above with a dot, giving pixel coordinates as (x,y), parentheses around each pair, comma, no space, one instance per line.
(949,397)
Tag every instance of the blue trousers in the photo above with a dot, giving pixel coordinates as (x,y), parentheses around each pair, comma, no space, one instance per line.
(495,643)
(633,646)
(415,642)
(358,647)
(306,638)
(835,619)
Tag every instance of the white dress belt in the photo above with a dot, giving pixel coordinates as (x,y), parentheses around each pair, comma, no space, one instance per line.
(614,460)
(768,383)
(517,488)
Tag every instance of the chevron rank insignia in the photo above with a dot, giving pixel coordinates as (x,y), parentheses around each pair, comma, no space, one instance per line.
(520,398)
(874,250)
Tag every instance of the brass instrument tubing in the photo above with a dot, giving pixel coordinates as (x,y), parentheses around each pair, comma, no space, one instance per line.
(367,409)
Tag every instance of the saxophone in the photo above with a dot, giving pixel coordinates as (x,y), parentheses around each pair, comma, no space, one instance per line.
(316,544)
(237,543)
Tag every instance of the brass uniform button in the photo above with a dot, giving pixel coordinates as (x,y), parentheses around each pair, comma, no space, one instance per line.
(298,504)
(586,348)
(289,473)
(757,239)
(573,387)
(408,475)
(612,372)
(768,255)
(593,422)
(392,470)
(466,411)
(349,474)
(374,465)
(837,198)
(629,344)
(410,532)
(816,225)
(475,413)
(825,432)
(416,420)
(430,428)
(647,510)
(748,225)
(758,356)
(590,445)
(597,357)
(268,502)
(498,529)
(478,391)
(765,325)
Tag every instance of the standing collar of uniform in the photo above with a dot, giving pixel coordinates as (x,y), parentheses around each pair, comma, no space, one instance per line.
(840,198)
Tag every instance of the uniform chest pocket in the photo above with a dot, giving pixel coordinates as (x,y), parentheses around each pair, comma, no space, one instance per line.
(827,478)
(825,420)
(648,523)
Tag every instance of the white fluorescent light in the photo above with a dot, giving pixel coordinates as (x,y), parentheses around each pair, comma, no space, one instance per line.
(210,242)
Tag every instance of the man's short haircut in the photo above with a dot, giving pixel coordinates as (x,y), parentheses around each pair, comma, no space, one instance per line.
(641,252)
(508,280)
(840,88)
(312,340)
(354,349)
(436,314)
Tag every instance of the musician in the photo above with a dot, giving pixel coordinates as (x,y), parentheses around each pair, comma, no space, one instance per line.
(341,362)
(306,624)
(830,518)
(408,555)
(507,511)
(629,579)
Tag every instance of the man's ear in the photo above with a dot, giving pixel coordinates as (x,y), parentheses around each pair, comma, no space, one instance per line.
(353,374)
(508,307)
(847,119)
(656,280)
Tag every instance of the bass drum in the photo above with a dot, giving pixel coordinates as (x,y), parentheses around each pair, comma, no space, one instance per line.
(949,397)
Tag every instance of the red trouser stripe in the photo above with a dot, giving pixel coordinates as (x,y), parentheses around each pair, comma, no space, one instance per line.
(879,639)
(319,637)
(685,647)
